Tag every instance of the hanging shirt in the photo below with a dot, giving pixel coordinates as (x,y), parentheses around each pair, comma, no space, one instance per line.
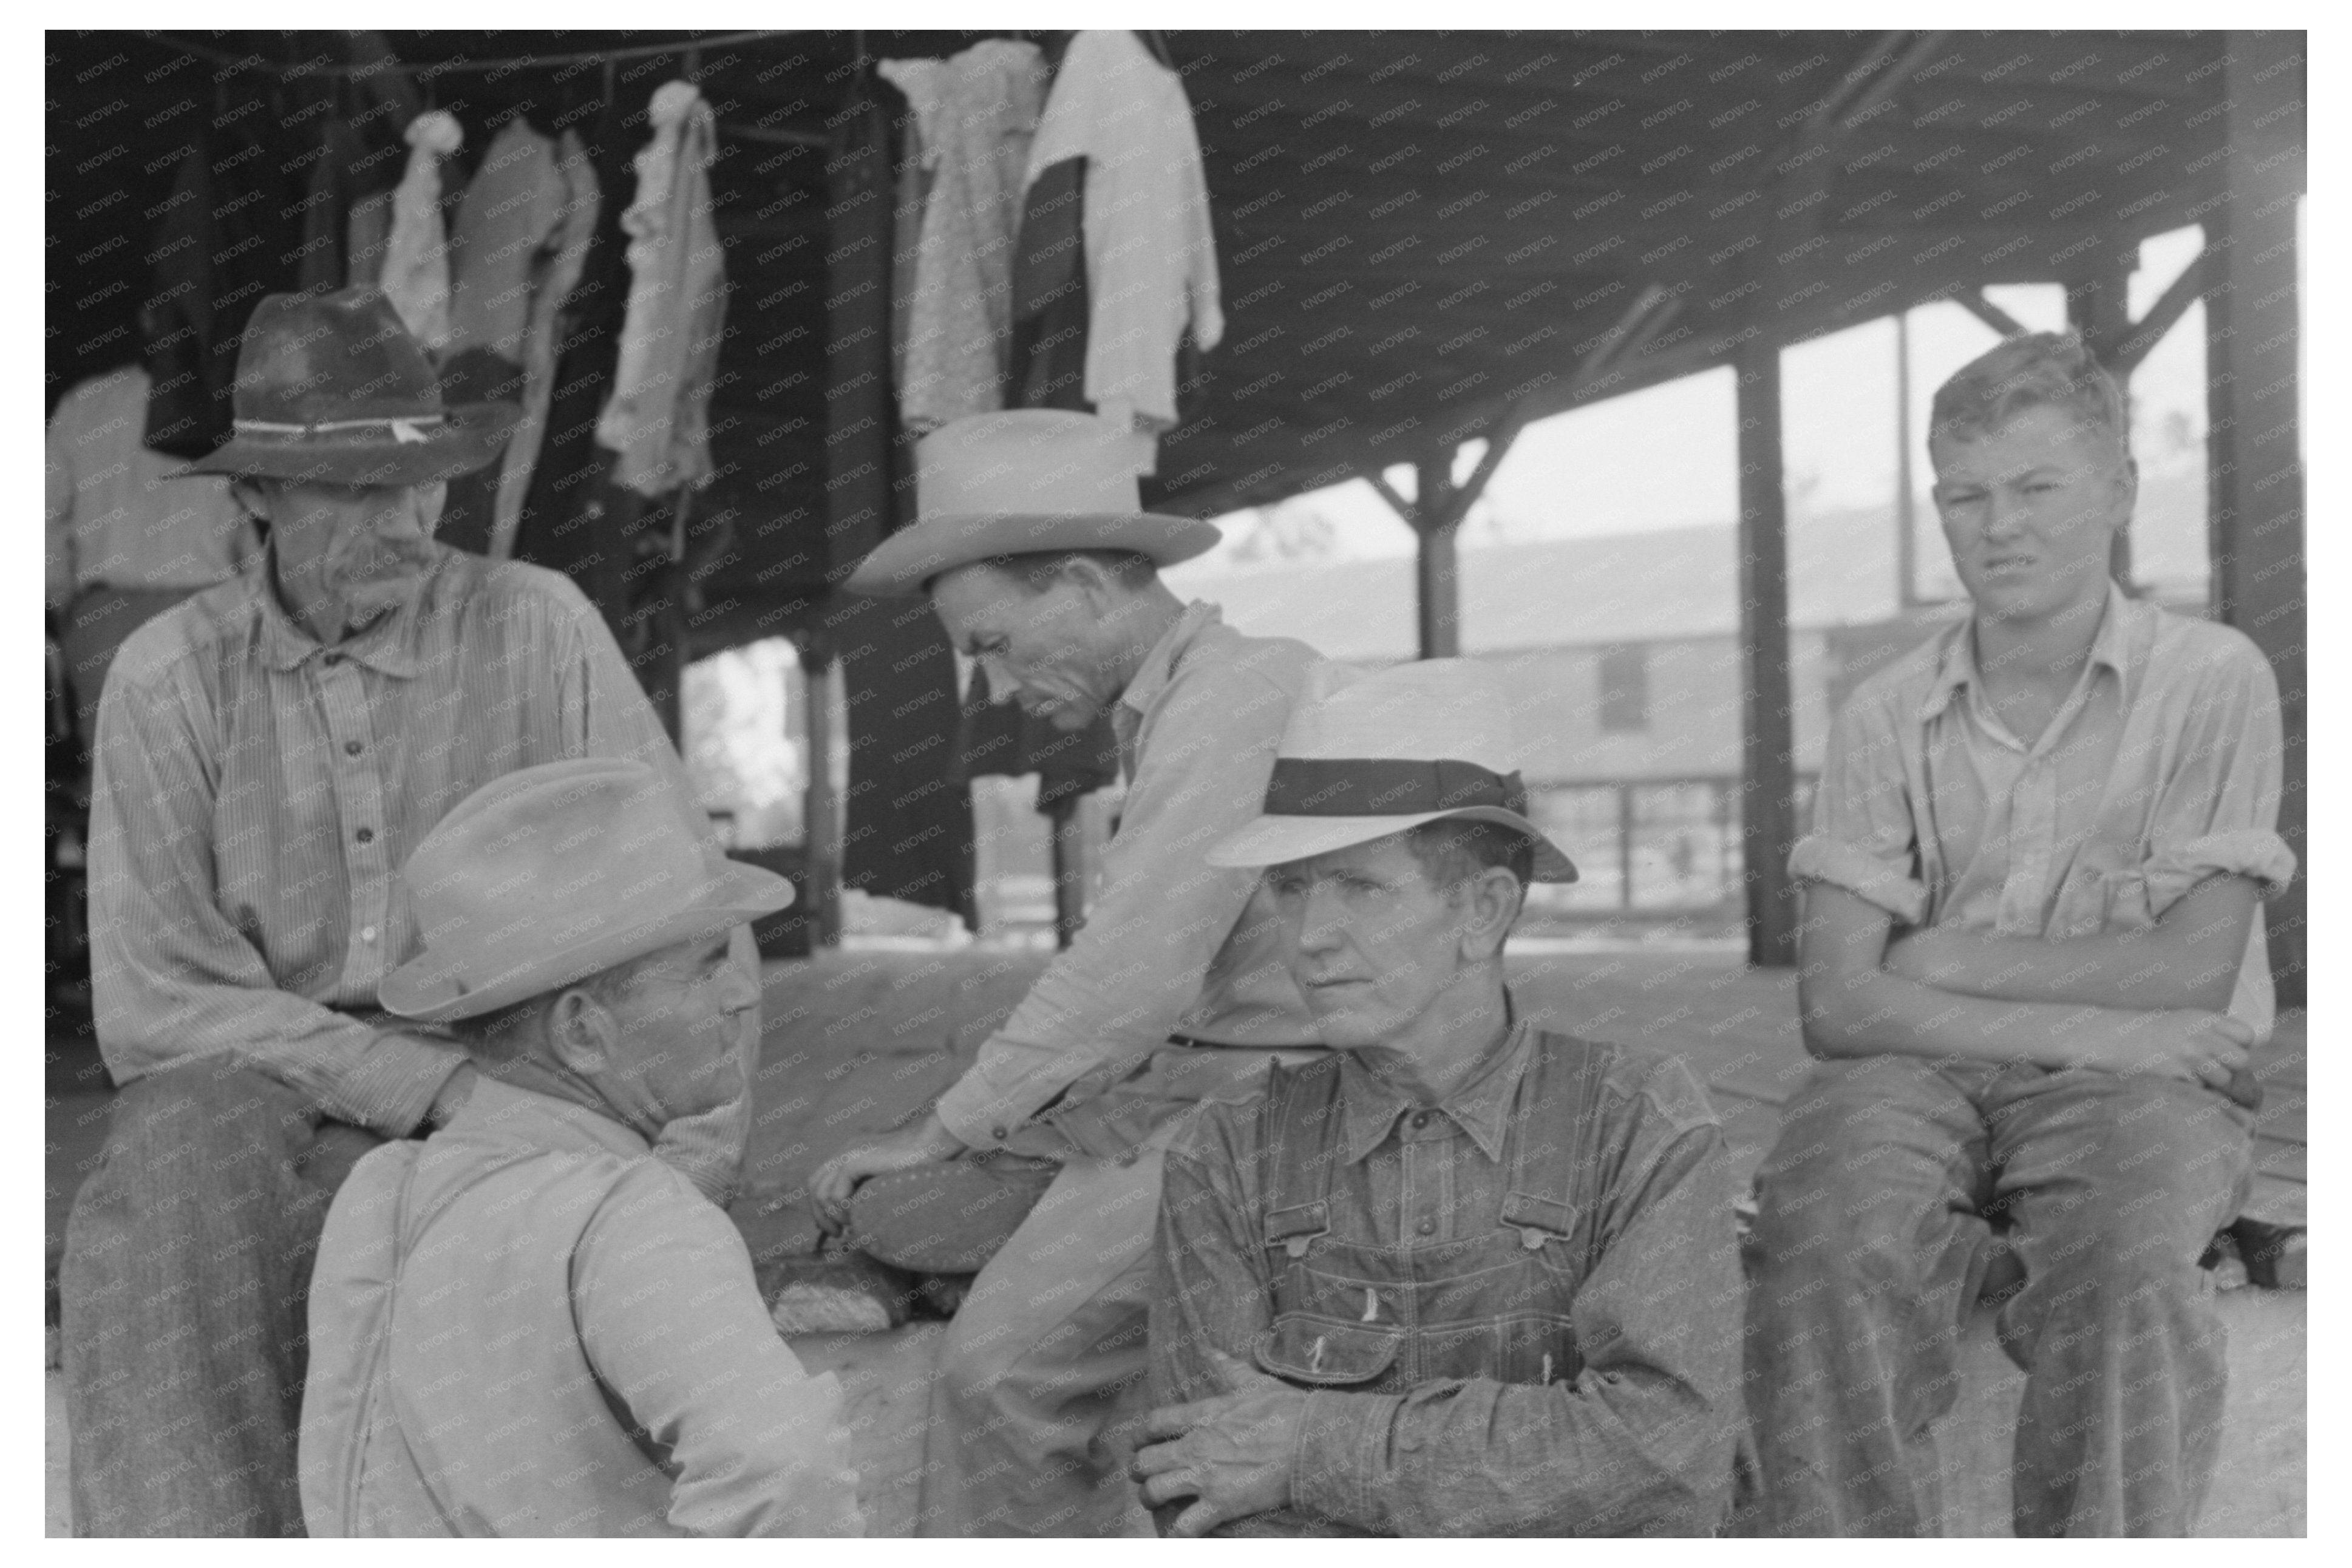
(113,519)
(975,115)
(499,1312)
(1150,255)
(658,417)
(415,275)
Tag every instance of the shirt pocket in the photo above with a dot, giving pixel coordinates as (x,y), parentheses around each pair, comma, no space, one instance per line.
(1322,1353)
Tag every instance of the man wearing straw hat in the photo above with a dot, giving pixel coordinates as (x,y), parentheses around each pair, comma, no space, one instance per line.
(1034,551)
(1462,1275)
(268,753)
(499,1309)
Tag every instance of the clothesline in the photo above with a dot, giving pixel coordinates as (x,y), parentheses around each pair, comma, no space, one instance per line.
(634,51)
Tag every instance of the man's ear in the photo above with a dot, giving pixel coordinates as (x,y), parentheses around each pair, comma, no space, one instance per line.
(251,497)
(1490,907)
(1095,583)
(579,1032)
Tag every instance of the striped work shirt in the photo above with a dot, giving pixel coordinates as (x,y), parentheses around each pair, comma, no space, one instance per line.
(256,794)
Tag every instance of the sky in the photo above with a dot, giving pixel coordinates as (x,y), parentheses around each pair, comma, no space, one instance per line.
(1664,458)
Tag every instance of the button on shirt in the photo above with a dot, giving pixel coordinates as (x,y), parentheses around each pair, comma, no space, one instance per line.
(1171,945)
(257,794)
(1657,1318)
(2159,769)
(488,1302)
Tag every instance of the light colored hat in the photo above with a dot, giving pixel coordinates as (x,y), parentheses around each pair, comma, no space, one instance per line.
(1010,484)
(1368,756)
(554,874)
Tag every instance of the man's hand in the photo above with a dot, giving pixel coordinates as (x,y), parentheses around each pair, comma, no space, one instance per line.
(929,1143)
(2203,1047)
(1232,1452)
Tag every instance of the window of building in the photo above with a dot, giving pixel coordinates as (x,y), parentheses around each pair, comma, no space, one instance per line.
(1624,688)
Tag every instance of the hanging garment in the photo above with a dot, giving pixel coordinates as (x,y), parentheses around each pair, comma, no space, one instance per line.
(914,193)
(975,115)
(658,418)
(1150,255)
(416,253)
(1048,359)
(557,273)
(113,519)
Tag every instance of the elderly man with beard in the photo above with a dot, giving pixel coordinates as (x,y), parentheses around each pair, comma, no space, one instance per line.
(268,752)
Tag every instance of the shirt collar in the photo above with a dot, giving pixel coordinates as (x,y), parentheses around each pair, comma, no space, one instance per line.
(2110,646)
(1480,1107)
(502,1112)
(1159,665)
(386,644)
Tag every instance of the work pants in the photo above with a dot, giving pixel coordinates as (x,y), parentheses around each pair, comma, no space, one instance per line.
(1870,1241)
(184,1294)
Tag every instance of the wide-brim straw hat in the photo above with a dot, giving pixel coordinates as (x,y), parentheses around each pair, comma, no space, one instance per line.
(332,389)
(1018,483)
(1367,756)
(550,874)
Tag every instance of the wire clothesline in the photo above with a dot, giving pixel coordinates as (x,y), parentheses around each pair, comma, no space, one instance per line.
(443,67)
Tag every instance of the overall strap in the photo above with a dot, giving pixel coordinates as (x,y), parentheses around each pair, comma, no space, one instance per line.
(1301,1144)
(1555,1144)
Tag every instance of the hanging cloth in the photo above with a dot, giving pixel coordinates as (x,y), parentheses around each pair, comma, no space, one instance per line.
(556,273)
(658,418)
(416,253)
(1150,255)
(975,115)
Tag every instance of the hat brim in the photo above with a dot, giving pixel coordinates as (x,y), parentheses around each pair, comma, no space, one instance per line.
(471,436)
(432,987)
(904,564)
(1274,840)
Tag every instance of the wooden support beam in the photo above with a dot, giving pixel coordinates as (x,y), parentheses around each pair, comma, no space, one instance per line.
(822,815)
(2254,448)
(1768,740)
(1974,302)
(1437,581)
(2161,317)
(2097,308)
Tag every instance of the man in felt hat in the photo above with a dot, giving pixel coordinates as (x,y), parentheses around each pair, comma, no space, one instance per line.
(267,752)
(500,1310)
(2032,969)
(1462,1275)
(1042,566)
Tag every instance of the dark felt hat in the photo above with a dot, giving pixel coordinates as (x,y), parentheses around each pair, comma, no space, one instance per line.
(332,389)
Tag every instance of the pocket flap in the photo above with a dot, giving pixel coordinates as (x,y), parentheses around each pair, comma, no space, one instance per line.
(1323,1354)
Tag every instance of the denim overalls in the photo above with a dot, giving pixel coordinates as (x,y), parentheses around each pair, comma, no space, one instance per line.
(1354,1312)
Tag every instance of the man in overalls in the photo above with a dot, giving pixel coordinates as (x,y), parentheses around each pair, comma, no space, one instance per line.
(1462,1276)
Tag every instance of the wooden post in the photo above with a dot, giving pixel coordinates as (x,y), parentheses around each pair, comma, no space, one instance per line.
(2098,307)
(1438,597)
(2254,448)
(1768,794)
(1069,867)
(822,812)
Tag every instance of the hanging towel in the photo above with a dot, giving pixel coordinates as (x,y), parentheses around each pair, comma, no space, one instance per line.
(1150,255)
(658,417)
(416,255)
(975,115)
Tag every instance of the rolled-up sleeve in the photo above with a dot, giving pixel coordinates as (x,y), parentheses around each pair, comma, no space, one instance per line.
(1864,838)
(671,1320)
(1162,914)
(2217,810)
(1644,1438)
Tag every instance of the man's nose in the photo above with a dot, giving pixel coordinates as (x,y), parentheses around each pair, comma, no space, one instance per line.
(1000,683)
(1321,918)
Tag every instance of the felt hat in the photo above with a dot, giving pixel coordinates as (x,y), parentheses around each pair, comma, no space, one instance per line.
(1367,756)
(554,874)
(1014,483)
(332,389)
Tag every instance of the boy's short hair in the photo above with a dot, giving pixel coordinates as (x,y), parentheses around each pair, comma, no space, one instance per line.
(1455,850)
(2038,369)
